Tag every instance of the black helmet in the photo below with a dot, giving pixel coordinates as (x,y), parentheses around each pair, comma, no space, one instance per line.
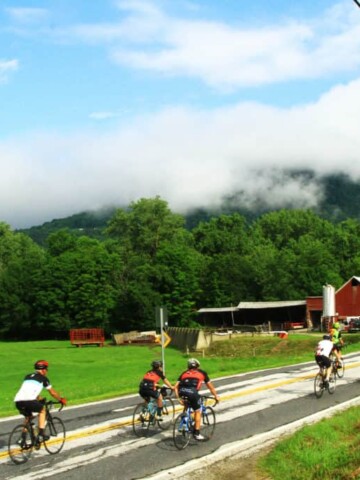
(41,365)
(193,363)
(327,337)
(156,364)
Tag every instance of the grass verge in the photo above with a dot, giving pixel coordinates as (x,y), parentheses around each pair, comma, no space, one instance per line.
(328,450)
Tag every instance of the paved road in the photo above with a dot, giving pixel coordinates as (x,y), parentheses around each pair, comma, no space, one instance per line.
(100,442)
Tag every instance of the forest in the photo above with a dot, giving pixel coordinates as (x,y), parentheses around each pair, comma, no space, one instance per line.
(146,256)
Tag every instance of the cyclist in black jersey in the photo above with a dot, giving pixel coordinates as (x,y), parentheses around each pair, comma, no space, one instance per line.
(150,381)
(188,386)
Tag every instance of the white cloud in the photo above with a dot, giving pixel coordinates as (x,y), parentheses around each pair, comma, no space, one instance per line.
(6,67)
(241,56)
(190,158)
(27,15)
(103,115)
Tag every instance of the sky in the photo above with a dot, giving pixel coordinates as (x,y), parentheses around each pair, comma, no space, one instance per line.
(106,102)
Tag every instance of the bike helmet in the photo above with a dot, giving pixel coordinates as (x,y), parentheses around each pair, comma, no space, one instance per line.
(327,337)
(41,365)
(156,364)
(193,363)
(336,325)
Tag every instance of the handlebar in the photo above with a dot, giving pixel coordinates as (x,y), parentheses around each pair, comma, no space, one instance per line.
(208,397)
(166,390)
(50,403)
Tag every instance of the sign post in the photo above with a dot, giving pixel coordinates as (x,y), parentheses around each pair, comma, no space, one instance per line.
(162,323)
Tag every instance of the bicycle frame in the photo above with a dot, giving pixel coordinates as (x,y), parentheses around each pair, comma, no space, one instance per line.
(144,416)
(24,439)
(185,423)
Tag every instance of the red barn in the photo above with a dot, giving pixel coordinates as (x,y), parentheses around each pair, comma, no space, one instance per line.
(347,303)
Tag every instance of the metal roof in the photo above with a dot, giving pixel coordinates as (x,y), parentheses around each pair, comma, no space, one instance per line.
(280,304)
(218,310)
(254,306)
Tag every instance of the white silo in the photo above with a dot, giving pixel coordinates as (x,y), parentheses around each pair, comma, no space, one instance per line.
(329,301)
(329,309)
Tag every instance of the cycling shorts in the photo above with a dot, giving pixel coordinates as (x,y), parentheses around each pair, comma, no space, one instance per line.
(337,347)
(27,407)
(147,390)
(323,361)
(192,396)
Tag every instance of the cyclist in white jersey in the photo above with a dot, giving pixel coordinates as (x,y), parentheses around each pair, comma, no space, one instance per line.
(322,354)
(27,400)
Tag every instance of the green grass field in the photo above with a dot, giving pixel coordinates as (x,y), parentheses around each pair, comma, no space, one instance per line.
(328,450)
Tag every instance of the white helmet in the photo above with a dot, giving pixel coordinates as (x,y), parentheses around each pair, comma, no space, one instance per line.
(193,363)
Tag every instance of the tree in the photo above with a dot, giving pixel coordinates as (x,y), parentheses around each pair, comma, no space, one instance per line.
(79,284)
(159,264)
(21,261)
(223,243)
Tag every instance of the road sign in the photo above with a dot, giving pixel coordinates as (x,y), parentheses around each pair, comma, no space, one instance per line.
(168,339)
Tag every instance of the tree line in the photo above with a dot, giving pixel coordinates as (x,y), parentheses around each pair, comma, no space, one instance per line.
(147,258)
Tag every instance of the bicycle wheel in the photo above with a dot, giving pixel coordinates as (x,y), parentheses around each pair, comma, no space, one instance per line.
(318,385)
(181,431)
(340,370)
(332,382)
(168,413)
(208,422)
(55,429)
(20,444)
(141,420)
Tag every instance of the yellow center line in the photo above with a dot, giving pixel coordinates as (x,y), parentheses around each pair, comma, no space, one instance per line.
(229,396)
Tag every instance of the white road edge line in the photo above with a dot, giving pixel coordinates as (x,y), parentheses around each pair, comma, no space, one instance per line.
(250,445)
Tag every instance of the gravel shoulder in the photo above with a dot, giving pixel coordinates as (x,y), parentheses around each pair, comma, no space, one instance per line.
(236,467)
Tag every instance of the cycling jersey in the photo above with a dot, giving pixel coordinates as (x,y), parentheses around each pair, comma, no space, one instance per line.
(32,387)
(193,378)
(336,337)
(151,378)
(324,347)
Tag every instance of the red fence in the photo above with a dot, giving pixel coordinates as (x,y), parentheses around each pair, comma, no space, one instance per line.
(87,336)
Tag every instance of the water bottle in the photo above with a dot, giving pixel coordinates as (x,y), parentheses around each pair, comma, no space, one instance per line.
(152,408)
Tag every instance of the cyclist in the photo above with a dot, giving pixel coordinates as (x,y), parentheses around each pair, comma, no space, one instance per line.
(188,386)
(322,354)
(27,400)
(337,341)
(150,381)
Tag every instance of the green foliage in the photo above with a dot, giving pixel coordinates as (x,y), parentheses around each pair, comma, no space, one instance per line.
(313,452)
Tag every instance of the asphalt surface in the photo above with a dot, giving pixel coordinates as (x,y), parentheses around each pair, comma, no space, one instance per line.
(101,443)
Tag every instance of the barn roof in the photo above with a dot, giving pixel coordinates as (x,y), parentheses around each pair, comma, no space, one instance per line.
(254,306)
(218,310)
(280,304)
(357,280)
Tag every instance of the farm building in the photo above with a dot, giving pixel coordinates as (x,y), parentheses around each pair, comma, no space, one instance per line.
(347,303)
(284,315)
(247,315)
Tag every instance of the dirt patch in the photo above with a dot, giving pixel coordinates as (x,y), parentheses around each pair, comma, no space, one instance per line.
(232,468)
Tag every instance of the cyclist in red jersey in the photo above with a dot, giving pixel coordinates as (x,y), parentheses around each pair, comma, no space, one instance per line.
(150,381)
(188,386)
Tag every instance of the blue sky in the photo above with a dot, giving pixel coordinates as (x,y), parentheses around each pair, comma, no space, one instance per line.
(105,102)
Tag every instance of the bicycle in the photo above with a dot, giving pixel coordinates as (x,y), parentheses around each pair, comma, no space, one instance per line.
(145,417)
(185,423)
(319,382)
(24,438)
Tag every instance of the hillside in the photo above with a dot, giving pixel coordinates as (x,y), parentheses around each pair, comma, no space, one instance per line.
(340,199)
